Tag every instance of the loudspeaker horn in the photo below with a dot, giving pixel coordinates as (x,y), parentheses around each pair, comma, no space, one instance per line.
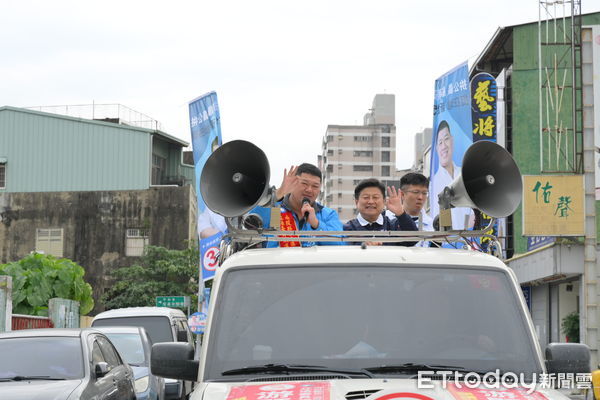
(235,179)
(489,181)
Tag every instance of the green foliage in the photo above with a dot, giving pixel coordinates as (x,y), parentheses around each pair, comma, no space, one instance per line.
(570,327)
(39,277)
(160,272)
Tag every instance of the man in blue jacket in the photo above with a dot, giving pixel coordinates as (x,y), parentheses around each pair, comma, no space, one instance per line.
(370,199)
(297,197)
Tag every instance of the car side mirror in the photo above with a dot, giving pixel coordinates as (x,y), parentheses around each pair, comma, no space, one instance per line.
(182,336)
(101,369)
(567,358)
(174,360)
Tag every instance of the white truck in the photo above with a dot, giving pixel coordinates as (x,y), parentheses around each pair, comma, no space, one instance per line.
(366,322)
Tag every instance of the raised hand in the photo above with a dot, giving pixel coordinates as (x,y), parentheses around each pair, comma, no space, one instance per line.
(394,201)
(289,181)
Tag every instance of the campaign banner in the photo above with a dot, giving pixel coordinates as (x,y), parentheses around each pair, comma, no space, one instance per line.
(484,98)
(451,138)
(205,126)
(309,390)
(209,255)
(484,110)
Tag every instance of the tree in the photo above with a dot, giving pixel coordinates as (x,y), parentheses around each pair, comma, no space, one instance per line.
(39,277)
(160,272)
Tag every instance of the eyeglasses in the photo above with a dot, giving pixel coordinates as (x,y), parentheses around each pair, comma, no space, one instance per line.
(418,192)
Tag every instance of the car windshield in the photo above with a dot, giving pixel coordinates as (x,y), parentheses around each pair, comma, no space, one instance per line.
(157,327)
(51,357)
(369,316)
(129,346)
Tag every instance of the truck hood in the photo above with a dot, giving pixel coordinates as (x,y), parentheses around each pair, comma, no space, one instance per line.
(363,389)
(38,390)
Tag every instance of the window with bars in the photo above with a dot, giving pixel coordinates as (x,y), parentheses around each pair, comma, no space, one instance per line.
(385,170)
(363,153)
(49,241)
(363,168)
(385,141)
(135,241)
(362,138)
(385,156)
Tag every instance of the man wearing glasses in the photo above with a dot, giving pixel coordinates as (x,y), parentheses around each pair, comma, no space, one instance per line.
(415,189)
(370,199)
(300,211)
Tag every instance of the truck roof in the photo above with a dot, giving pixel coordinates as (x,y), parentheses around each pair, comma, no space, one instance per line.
(140,312)
(355,255)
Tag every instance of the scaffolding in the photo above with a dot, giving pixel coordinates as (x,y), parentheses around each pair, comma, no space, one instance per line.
(559,62)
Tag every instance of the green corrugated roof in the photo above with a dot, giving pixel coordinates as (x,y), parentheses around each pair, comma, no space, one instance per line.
(163,135)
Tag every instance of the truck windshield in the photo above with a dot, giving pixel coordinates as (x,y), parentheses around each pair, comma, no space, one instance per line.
(368,316)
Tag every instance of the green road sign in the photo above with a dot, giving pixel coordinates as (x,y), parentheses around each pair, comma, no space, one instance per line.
(172,301)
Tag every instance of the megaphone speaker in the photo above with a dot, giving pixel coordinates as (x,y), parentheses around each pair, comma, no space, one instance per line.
(235,179)
(490,181)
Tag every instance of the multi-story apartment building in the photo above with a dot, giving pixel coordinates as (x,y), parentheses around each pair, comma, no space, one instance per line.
(355,152)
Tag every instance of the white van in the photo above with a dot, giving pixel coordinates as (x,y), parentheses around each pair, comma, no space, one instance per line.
(162,325)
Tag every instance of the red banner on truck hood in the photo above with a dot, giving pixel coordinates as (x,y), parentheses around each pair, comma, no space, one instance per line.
(282,391)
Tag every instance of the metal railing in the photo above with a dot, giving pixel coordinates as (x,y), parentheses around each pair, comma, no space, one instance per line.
(117,113)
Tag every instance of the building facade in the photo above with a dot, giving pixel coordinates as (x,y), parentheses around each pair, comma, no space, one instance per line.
(95,192)
(558,273)
(351,153)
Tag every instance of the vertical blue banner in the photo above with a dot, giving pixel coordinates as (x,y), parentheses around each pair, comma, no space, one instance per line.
(451,138)
(209,255)
(205,126)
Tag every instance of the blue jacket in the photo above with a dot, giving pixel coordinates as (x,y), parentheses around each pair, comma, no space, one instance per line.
(328,221)
(401,223)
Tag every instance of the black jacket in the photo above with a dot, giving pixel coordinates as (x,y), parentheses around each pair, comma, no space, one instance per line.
(402,223)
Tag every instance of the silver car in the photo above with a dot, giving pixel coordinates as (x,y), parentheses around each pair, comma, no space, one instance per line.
(134,345)
(62,364)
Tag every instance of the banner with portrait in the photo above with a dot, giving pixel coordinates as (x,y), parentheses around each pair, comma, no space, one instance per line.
(452,135)
(205,126)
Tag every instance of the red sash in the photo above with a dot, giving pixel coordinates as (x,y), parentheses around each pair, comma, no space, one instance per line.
(288,223)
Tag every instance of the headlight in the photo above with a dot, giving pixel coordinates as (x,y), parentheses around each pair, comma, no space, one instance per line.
(141,384)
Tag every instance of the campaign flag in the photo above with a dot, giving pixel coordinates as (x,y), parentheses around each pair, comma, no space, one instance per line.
(209,255)
(484,99)
(205,126)
(451,138)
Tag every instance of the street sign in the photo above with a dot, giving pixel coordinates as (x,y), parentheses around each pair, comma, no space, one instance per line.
(172,301)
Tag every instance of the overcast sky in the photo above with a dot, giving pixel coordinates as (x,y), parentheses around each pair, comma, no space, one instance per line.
(282,70)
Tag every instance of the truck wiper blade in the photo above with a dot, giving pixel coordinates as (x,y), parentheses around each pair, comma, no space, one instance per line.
(412,367)
(30,378)
(287,368)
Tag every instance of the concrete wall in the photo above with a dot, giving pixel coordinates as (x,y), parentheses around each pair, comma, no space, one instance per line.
(94,225)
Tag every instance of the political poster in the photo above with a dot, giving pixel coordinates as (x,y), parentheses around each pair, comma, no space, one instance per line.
(452,135)
(205,126)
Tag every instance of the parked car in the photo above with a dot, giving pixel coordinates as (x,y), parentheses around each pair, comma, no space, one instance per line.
(134,346)
(162,324)
(62,364)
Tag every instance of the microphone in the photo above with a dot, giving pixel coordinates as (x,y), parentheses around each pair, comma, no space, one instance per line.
(305,200)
